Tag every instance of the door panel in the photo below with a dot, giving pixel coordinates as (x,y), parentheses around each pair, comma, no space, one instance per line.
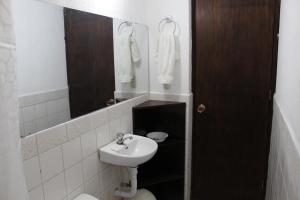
(233,64)
(90,61)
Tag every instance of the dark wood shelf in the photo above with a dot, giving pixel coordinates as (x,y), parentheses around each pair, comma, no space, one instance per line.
(166,178)
(156,104)
(163,175)
(170,142)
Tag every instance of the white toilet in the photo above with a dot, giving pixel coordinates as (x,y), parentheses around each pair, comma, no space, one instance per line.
(85,197)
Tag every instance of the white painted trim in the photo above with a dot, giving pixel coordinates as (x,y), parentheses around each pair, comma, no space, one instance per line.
(170,97)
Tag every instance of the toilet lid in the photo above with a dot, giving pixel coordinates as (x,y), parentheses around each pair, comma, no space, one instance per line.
(85,197)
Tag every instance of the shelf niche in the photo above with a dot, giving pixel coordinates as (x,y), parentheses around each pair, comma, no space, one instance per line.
(164,173)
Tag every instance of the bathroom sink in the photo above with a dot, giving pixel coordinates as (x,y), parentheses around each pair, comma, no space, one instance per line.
(131,153)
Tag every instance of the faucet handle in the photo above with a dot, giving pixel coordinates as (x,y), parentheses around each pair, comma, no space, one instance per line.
(120,136)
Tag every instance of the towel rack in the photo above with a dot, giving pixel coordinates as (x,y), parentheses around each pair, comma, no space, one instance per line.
(128,24)
(167,20)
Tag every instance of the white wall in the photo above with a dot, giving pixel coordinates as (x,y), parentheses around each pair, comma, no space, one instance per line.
(284,165)
(288,76)
(41,58)
(12,181)
(180,10)
(131,10)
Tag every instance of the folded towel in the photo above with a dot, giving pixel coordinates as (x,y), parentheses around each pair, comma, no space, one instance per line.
(129,54)
(167,54)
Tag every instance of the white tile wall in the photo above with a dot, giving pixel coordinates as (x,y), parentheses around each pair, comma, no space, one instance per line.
(72,152)
(80,126)
(37,193)
(90,166)
(51,138)
(74,177)
(92,186)
(89,143)
(51,163)
(284,162)
(55,189)
(62,162)
(43,110)
(29,147)
(32,173)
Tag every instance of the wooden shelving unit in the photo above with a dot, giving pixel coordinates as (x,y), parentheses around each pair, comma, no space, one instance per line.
(164,173)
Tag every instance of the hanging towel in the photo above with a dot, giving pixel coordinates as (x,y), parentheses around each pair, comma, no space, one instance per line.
(135,52)
(126,72)
(167,54)
(129,54)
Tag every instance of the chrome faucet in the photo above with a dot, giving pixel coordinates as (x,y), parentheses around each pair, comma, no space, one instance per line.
(121,138)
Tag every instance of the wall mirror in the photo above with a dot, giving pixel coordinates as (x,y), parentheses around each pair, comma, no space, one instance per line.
(71,63)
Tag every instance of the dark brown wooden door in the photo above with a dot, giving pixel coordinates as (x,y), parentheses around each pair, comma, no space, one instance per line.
(234,41)
(90,61)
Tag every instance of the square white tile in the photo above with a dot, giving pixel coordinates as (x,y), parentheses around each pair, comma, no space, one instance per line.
(56,118)
(32,172)
(103,135)
(92,186)
(36,193)
(42,123)
(90,166)
(63,116)
(27,100)
(89,143)
(99,118)
(126,123)
(52,137)
(29,127)
(28,113)
(40,110)
(61,104)
(72,152)
(52,107)
(114,129)
(103,166)
(55,188)
(116,111)
(51,163)
(74,177)
(79,126)
(29,147)
(106,178)
(76,192)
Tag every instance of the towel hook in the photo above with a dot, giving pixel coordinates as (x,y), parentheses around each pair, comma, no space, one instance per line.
(128,24)
(167,20)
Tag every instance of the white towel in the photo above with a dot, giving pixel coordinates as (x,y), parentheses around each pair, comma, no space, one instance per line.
(129,54)
(135,52)
(167,54)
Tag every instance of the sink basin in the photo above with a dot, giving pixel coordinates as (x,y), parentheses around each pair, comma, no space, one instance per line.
(132,153)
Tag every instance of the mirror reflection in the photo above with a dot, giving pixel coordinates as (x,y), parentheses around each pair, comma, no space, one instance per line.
(71,63)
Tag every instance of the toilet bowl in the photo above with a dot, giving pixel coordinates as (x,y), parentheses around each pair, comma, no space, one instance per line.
(85,197)
(143,194)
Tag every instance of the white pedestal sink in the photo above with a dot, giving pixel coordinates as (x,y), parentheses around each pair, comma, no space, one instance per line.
(132,153)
